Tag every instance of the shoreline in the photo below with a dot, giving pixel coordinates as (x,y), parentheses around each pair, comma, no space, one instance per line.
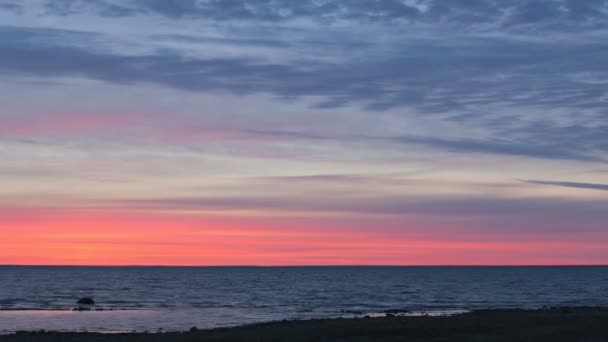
(547,324)
(104,321)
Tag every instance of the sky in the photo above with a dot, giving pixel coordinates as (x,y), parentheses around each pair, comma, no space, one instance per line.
(303,132)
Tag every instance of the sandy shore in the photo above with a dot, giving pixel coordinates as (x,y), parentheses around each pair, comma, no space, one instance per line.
(555,325)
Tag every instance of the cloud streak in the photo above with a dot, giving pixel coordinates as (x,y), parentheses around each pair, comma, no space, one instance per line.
(502,147)
(547,150)
(469,206)
(576,185)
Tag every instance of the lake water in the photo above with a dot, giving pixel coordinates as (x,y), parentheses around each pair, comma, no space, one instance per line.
(177,298)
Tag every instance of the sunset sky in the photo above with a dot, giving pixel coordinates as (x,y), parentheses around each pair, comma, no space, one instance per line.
(303,132)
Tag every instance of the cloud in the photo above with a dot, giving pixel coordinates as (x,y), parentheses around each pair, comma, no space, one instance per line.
(548,149)
(501,147)
(61,124)
(463,206)
(397,81)
(576,185)
(347,179)
(509,216)
(325,178)
(513,13)
(221,40)
(33,56)
(431,75)
(10,6)
(263,10)
(100,7)
(465,62)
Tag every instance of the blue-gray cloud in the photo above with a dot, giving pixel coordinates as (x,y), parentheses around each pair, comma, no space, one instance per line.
(476,54)
(542,149)
(230,41)
(579,149)
(576,185)
(100,7)
(433,76)
(11,6)
(550,14)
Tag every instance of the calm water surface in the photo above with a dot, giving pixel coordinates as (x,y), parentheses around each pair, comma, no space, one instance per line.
(177,298)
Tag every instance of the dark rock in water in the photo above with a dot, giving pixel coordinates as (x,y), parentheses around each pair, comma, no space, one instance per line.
(193,329)
(86,301)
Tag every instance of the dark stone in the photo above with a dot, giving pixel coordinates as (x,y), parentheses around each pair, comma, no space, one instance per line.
(86,301)
(193,329)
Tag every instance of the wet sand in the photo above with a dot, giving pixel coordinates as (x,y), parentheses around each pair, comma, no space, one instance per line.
(555,325)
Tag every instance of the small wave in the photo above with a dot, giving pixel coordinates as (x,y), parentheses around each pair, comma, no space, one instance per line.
(403,313)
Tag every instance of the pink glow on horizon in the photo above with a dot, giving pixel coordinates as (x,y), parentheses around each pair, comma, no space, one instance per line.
(109,238)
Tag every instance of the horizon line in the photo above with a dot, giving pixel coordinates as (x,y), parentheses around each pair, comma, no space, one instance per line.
(328,265)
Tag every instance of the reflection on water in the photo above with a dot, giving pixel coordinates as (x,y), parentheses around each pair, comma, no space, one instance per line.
(113,321)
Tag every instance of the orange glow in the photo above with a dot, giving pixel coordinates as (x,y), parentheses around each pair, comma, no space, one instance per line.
(110,238)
